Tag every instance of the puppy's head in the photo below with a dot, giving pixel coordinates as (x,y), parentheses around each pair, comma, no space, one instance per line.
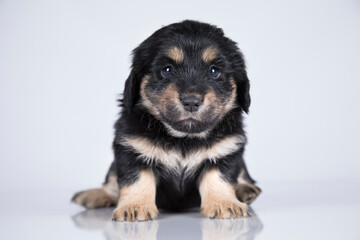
(189,76)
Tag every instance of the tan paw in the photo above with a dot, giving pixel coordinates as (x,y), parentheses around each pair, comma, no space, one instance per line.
(93,198)
(247,193)
(136,212)
(221,209)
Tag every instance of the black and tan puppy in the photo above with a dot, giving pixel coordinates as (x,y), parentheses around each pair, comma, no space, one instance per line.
(179,141)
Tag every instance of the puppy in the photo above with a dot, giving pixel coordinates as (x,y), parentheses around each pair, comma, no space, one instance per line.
(179,141)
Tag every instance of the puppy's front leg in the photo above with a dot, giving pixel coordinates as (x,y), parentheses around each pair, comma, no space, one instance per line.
(137,201)
(218,198)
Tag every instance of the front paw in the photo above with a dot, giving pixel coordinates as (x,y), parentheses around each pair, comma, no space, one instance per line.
(221,209)
(135,212)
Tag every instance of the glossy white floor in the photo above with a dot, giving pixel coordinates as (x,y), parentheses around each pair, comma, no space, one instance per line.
(308,210)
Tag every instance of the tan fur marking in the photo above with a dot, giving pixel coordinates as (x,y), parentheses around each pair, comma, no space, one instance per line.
(112,187)
(137,201)
(176,54)
(169,95)
(93,198)
(231,104)
(143,94)
(145,98)
(218,198)
(209,54)
(211,100)
(241,177)
(150,152)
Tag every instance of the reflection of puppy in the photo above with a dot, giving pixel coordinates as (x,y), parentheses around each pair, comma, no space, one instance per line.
(98,219)
(239,229)
(196,228)
(179,141)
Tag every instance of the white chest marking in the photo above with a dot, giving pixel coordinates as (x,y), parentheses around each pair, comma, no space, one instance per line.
(173,159)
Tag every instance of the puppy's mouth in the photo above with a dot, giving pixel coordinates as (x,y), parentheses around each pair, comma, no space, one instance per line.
(190,121)
(189,125)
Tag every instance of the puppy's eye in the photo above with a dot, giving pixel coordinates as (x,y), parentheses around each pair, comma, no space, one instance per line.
(214,72)
(166,71)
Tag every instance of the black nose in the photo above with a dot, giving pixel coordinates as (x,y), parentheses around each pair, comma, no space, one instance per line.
(191,103)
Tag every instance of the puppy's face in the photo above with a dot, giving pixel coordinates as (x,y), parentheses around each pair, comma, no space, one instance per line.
(189,76)
(189,87)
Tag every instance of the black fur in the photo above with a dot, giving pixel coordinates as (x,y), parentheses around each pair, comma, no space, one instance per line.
(176,192)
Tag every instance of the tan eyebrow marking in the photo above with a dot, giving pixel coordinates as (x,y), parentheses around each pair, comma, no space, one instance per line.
(209,54)
(175,54)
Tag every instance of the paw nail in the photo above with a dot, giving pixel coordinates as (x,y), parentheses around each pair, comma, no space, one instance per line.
(241,212)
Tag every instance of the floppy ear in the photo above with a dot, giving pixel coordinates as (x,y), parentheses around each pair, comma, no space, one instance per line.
(243,91)
(141,62)
(142,57)
(241,79)
(131,90)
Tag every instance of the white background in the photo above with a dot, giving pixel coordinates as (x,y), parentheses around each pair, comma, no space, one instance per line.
(63,65)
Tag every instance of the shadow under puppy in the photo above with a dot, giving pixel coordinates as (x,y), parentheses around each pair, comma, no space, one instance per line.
(179,141)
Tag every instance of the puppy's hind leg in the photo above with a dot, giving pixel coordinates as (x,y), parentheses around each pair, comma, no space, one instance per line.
(246,192)
(245,188)
(106,196)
